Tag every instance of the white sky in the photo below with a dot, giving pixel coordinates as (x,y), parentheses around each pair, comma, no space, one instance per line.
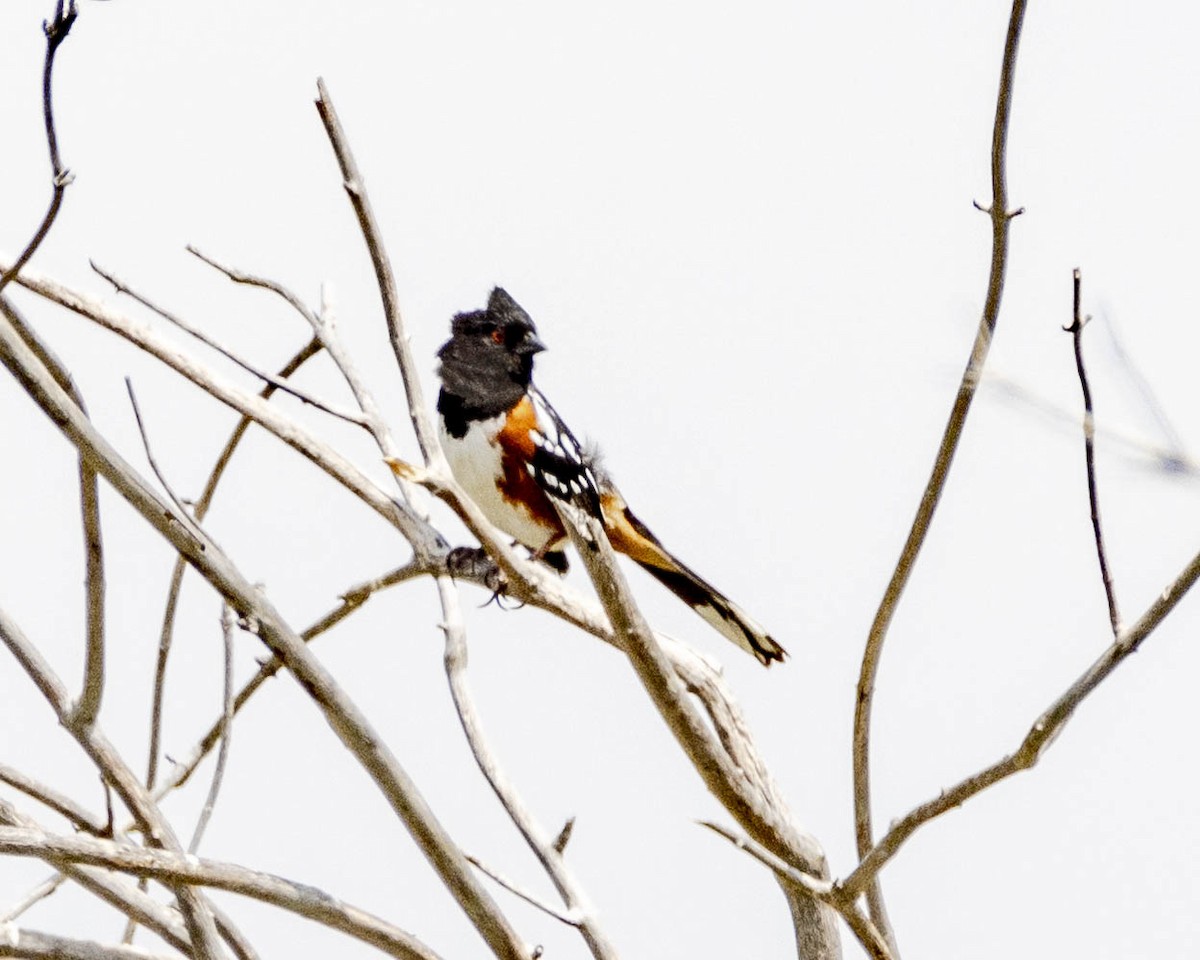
(746,234)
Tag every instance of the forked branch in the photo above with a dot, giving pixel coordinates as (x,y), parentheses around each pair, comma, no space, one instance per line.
(1001,217)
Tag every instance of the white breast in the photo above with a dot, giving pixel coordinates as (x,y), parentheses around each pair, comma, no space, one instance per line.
(475,461)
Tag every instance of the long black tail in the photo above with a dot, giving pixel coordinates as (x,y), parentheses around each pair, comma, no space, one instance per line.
(633,538)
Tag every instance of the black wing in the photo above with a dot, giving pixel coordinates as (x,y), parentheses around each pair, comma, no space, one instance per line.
(559,464)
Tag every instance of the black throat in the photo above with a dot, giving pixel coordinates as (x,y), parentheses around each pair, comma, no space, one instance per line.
(478,383)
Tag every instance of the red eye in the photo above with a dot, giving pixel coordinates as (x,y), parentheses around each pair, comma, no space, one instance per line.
(498,335)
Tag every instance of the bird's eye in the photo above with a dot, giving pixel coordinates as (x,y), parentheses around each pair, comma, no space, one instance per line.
(498,335)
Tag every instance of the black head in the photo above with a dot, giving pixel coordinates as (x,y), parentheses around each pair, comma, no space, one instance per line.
(487,363)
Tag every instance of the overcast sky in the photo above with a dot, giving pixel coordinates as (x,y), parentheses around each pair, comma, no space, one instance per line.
(746,234)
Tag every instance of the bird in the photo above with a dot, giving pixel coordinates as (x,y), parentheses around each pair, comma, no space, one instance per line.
(514,456)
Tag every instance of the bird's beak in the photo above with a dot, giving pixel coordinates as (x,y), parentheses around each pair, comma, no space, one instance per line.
(531,345)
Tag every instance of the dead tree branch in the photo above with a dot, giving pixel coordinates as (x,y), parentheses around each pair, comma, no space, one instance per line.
(176,869)
(339,710)
(1001,216)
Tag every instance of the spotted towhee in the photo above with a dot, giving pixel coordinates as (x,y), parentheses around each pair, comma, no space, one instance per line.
(511,453)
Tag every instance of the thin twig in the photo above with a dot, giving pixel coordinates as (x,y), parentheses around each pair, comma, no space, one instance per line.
(1078,322)
(252,280)
(1001,216)
(56,31)
(278,383)
(39,893)
(570,919)
(1171,459)
(63,805)
(228,622)
(162,479)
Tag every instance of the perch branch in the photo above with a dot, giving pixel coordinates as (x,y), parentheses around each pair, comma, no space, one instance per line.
(342,714)
(456,649)
(1000,217)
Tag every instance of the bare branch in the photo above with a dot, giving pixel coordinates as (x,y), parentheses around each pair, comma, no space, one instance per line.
(176,869)
(39,893)
(56,32)
(1001,217)
(88,707)
(115,891)
(746,792)
(228,622)
(1089,452)
(579,909)
(34,945)
(286,429)
(357,190)
(166,633)
(354,598)
(570,919)
(277,382)
(162,479)
(239,276)
(342,714)
(862,927)
(1043,732)
(200,510)
(153,824)
(63,805)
